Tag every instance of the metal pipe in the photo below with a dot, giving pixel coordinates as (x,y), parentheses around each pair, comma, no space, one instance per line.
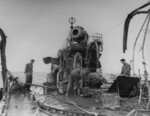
(127,21)
(3,61)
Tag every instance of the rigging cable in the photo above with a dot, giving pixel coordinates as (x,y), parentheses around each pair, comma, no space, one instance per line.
(114,27)
(136,42)
(144,63)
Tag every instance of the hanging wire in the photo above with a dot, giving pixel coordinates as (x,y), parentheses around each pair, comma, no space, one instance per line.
(135,44)
(114,27)
(144,63)
(145,39)
(143,45)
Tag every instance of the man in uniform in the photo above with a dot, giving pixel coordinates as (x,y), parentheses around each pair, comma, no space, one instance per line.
(28,73)
(126,68)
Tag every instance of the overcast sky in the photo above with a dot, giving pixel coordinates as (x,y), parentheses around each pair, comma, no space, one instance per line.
(38,28)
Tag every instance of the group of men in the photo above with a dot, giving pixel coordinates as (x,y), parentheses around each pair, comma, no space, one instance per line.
(75,75)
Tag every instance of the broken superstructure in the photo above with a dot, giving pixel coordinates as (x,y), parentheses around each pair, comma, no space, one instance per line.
(78,42)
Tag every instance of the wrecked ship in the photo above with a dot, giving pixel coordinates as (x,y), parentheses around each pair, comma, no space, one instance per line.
(78,42)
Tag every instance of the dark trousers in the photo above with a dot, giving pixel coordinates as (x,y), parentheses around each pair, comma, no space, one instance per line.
(74,79)
(28,80)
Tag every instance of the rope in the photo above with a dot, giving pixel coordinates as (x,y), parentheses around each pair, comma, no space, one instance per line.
(114,27)
(74,104)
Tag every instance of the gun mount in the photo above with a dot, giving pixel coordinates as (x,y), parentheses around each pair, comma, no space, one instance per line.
(79,35)
(77,42)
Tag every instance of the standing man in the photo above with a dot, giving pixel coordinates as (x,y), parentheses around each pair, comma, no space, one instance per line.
(75,77)
(126,68)
(28,72)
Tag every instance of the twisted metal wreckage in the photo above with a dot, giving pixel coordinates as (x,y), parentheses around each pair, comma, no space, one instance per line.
(90,51)
(77,44)
(7,78)
(144,89)
(4,92)
(135,98)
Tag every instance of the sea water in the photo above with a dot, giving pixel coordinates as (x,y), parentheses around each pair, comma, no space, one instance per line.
(38,77)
